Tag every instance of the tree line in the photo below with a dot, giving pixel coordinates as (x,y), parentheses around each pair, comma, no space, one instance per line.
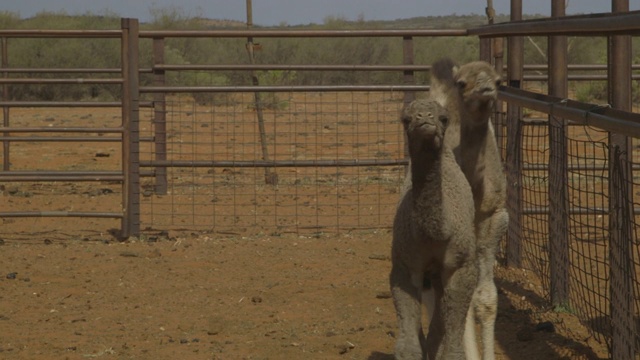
(105,53)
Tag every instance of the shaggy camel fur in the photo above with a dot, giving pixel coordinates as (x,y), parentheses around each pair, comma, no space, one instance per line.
(433,240)
(469,93)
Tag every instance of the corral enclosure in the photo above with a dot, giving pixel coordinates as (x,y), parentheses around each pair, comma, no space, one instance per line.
(188,154)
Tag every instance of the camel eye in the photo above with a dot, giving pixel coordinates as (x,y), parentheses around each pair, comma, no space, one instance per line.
(461,84)
(498,83)
(444,119)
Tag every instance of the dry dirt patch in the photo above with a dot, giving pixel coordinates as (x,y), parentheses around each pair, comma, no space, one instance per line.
(205,296)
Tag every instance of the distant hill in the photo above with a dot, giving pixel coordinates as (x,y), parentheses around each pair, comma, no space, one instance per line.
(218,23)
(421,22)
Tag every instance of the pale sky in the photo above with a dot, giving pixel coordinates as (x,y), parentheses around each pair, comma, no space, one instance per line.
(295,12)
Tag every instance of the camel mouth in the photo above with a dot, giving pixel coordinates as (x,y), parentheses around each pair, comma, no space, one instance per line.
(487,93)
(427,129)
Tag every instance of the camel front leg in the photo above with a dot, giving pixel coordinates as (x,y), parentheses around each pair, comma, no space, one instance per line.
(405,289)
(450,315)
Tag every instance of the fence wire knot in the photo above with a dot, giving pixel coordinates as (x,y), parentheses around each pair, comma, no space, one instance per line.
(595,107)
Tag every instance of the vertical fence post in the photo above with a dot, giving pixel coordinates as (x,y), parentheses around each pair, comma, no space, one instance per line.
(485,43)
(407,59)
(558,198)
(5,109)
(621,200)
(515,59)
(131,126)
(270,175)
(159,118)
(409,79)
(498,54)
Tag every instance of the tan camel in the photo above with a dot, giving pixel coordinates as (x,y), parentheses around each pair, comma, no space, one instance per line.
(469,93)
(433,240)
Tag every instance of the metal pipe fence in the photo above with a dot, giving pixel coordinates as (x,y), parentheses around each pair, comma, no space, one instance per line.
(584,246)
(192,156)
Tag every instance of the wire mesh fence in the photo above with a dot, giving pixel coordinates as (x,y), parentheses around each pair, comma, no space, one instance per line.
(339,162)
(588,221)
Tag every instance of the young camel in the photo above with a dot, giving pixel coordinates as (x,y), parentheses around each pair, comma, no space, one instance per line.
(433,240)
(469,93)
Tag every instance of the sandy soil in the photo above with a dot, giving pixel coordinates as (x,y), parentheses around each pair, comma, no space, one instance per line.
(203,296)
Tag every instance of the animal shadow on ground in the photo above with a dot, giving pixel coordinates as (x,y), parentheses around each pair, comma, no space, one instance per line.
(380,356)
(525,319)
(511,319)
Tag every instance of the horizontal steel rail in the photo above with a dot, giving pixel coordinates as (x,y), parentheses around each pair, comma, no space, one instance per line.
(613,120)
(34,33)
(301,88)
(273,163)
(574,77)
(60,81)
(116,130)
(9,176)
(61,214)
(85,104)
(248,67)
(69,70)
(603,24)
(300,33)
(237,67)
(24,104)
(57,139)
(544,210)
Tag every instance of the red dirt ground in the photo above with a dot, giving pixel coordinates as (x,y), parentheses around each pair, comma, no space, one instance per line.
(200,296)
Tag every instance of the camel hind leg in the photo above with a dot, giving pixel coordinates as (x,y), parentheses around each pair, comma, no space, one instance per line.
(485,297)
(470,340)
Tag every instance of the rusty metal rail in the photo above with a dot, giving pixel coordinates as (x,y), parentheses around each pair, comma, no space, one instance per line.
(603,117)
(602,24)
(127,79)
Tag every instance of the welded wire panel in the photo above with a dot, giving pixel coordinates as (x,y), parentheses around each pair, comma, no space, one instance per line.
(588,186)
(535,199)
(635,236)
(297,128)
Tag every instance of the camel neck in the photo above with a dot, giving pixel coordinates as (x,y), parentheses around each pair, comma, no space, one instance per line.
(425,169)
(474,133)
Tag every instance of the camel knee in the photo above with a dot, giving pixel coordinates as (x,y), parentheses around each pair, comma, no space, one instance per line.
(485,302)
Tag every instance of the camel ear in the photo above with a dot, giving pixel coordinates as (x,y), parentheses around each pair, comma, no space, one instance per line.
(455,71)
(460,83)
(405,118)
